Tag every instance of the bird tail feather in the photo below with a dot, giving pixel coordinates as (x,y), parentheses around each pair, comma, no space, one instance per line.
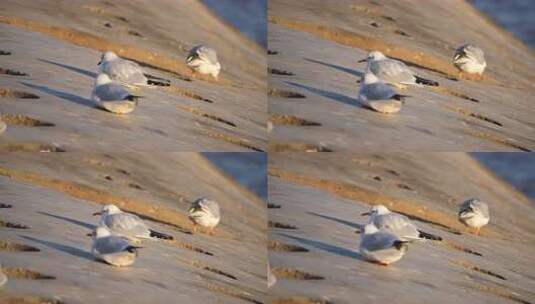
(424,81)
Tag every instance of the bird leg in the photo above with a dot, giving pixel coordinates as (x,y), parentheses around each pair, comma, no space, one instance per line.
(194,230)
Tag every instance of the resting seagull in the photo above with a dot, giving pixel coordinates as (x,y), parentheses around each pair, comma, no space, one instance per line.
(469,58)
(127,72)
(112,96)
(398,224)
(126,224)
(205,213)
(393,72)
(203,60)
(381,247)
(474,213)
(379,96)
(112,249)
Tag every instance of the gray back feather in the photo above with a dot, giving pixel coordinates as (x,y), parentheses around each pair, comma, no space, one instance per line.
(111,92)
(124,71)
(377,241)
(377,91)
(110,244)
(392,71)
(204,53)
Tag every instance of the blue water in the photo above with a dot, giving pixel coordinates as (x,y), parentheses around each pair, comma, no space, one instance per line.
(516,168)
(249,16)
(516,16)
(247,168)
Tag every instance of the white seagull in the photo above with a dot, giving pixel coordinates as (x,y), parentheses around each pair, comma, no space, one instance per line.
(126,224)
(379,96)
(469,58)
(127,72)
(381,247)
(205,213)
(398,224)
(112,96)
(393,72)
(474,213)
(112,249)
(203,60)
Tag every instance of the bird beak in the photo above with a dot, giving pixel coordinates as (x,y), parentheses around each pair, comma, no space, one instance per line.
(99,62)
(362,60)
(357,231)
(97,213)
(365,213)
(89,234)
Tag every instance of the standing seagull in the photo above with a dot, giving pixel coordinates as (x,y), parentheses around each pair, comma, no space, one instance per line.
(113,96)
(203,59)
(379,96)
(381,247)
(397,224)
(127,72)
(112,249)
(393,72)
(470,59)
(3,277)
(474,213)
(127,225)
(205,213)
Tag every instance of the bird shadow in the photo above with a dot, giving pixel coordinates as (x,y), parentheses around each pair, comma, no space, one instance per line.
(357,73)
(71,68)
(328,94)
(61,247)
(338,220)
(63,95)
(73,221)
(325,247)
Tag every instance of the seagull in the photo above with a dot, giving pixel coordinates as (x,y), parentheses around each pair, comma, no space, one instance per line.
(203,59)
(205,213)
(397,224)
(381,247)
(112,96)
(393,72)
(112,249)
(469,58)
(474,213)
(3,277)
(379,96)
(126,224)
(127,72)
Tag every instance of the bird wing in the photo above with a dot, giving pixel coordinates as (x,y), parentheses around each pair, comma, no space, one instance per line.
(125,71)
(110,244)
(210,206)
(392,71)
(111,92)
(377,91)
(378,241)
(127,224)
